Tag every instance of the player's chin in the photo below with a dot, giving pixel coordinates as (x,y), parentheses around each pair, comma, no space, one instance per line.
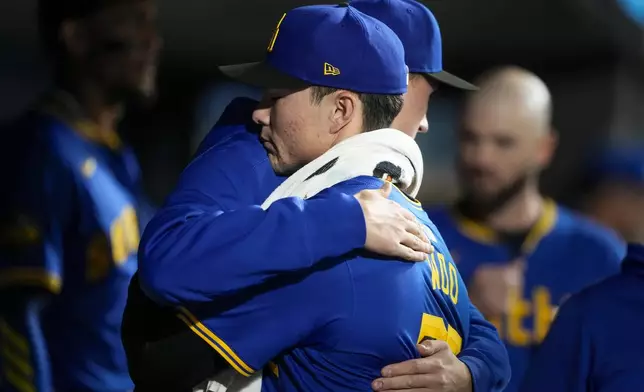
(142,84)
(140,93)
(484,186)
(277,166)
(280,167)
(483,194)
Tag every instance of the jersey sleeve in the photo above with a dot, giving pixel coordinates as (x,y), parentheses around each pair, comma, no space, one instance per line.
(238,113)
(33,218)
(211,240)
(561,363)
(485,355)
(611,251)
(24,360)
(253,327)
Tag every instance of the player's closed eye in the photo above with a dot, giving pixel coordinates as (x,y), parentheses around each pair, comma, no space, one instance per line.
(467,136)
(504,142)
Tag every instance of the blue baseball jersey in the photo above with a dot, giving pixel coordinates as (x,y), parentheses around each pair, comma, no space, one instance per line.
(563,253)
(596,341)
(335,326)
(70,228)
(213,221)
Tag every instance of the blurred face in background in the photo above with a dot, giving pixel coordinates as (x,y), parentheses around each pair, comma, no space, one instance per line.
(413,116)
(620,206)
(296,128)
(117,48)
(501,148)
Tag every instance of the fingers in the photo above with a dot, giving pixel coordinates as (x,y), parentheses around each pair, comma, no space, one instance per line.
(408,254)
(431,347)
(406,368)
(420,365)
(403,383)
(514,274)
(415,240)
(518,264)
(414,383)
(415,248)
(414,231)
(405,212)
(391,229)
(386,189)
(413,226)
(415,373)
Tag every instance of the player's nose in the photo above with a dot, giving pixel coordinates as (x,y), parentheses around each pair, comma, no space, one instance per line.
(262,116)
(424,125)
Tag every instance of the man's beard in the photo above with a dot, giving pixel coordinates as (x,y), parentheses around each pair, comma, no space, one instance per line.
(131,96)
(123,92)
(479,207)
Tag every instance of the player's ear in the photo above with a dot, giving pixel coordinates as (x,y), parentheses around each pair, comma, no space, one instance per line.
(344,110)
(73,37)
(548,147)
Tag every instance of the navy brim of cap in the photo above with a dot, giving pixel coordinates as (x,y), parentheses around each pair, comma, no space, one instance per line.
(452,80)
(262,75)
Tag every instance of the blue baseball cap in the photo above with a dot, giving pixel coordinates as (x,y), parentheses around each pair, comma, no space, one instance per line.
(331,46)
(418,30)
(625,164)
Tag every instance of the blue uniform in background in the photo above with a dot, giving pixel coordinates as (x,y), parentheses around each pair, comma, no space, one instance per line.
(70,233)
(596,341)
(213,221)
(563,253)
(337,325)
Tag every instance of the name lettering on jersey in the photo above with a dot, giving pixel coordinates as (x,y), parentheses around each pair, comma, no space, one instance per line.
(102,255)
(124,235)
(512,326)
(98,258)
(444,276)
(89,167)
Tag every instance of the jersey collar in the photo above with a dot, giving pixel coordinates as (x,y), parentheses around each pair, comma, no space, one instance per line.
(480,232)
(63,106)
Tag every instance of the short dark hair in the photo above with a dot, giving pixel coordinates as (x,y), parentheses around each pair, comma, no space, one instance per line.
(379,110)
(432,82)
(414,76)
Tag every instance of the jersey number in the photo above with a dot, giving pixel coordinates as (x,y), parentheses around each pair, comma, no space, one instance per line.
(124,235)
(433,328)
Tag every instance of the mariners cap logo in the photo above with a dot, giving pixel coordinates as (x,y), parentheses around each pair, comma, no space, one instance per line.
(330,70)
(271,44)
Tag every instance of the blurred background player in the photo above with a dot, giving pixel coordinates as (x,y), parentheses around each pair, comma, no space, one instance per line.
(519,253)
(614,190)
(596,341)
(70,227)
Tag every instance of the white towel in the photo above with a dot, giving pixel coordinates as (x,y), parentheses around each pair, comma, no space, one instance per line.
(386,153)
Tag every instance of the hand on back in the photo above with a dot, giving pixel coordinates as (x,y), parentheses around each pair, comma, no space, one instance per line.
(391,229)
(494,286)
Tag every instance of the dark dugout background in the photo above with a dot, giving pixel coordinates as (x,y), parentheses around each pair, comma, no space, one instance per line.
(590,52)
